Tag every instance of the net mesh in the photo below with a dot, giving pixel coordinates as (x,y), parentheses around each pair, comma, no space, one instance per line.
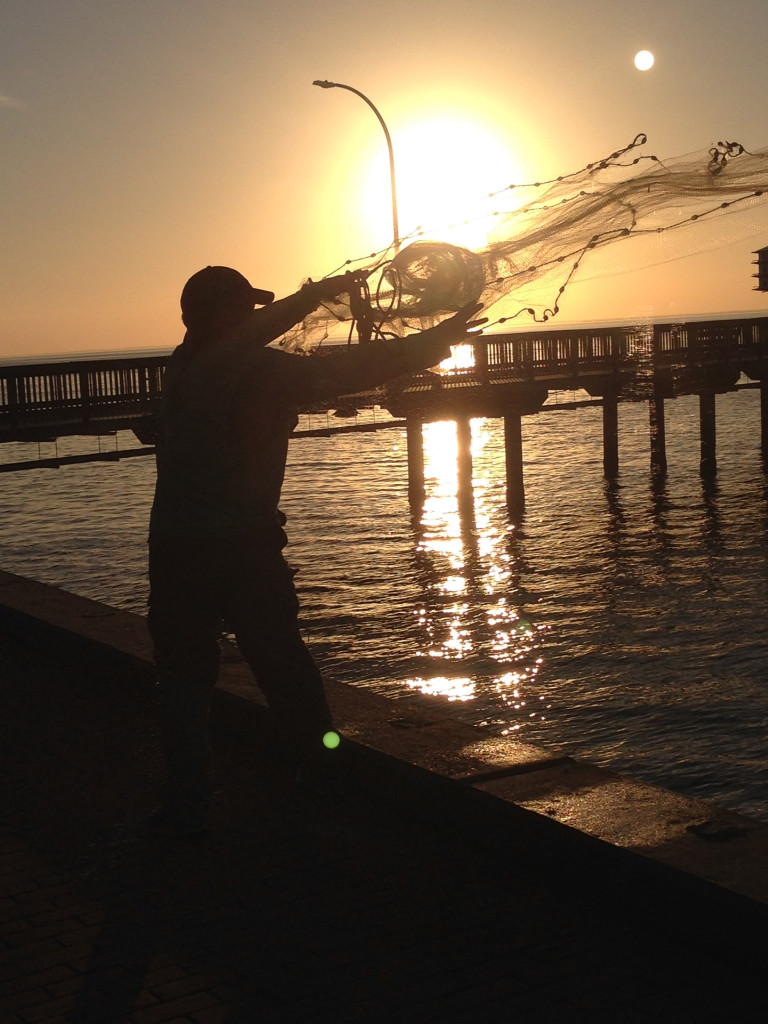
(620,212)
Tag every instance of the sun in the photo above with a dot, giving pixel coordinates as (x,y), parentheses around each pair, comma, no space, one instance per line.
(644,60)
(445,169)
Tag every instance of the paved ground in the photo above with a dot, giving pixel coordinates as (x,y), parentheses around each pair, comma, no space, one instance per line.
(293,908)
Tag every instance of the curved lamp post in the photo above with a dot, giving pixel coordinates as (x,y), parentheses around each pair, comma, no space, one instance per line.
(338,85)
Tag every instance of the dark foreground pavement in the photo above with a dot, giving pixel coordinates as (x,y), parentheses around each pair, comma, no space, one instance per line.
(293,908)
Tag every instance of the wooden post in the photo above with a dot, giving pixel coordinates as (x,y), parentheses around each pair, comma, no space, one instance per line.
(513,454)
(464,455)
(14,394)
(610,435)
(658,433)
(85,396)
(480,353)
(764,419)
(416,490)
(707,424)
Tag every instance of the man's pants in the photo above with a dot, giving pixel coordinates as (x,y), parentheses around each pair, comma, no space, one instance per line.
(194,586)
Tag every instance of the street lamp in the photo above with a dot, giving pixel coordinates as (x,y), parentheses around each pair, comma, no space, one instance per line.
(338,85)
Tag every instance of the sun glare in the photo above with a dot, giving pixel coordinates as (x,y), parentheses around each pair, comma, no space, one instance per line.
(445,169)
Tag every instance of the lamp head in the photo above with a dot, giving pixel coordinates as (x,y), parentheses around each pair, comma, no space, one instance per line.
(325,85)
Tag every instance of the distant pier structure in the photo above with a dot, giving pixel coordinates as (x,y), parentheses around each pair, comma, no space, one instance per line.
(512,375)
(505,376)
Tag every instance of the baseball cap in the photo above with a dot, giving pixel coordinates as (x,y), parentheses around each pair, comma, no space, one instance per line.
(215,287)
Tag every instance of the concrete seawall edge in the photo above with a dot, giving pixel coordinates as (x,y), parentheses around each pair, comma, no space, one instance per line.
(686,864)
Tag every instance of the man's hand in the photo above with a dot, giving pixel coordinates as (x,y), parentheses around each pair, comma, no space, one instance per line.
(331,287)
(461,327)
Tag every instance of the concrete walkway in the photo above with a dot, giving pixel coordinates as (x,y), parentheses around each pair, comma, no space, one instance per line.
(300,908)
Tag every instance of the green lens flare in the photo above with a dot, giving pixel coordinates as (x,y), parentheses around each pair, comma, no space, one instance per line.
(331,740)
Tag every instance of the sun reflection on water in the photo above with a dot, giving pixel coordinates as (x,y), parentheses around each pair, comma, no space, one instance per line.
(470,612)
(440,686)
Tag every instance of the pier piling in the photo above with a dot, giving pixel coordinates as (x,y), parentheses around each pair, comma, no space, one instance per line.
(764,419)
(464,465)
(610,436)
(513,456)
(416,490)
(657,432)
(707,423)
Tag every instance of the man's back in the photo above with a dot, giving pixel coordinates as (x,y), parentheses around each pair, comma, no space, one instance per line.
(228,415)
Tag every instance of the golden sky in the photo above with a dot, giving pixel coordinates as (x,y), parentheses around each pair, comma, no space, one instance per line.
(143,139)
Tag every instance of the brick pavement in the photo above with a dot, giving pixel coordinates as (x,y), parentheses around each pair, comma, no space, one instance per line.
(293,908)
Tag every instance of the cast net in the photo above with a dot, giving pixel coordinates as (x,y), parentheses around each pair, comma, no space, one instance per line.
(624,211)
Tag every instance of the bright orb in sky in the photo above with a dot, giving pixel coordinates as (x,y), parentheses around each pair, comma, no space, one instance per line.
(644,60)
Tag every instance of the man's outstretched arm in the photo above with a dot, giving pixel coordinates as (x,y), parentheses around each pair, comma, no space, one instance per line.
(366,366)
(270,322)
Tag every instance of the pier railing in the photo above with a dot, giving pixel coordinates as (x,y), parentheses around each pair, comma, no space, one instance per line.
(88,396)
(96,396)
(533,354)
(702,342)
(622,348)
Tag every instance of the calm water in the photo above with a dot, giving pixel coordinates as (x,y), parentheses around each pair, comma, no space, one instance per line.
(625,625)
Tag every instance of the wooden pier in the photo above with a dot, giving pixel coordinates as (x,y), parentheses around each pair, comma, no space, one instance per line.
(512,375)
(508,376)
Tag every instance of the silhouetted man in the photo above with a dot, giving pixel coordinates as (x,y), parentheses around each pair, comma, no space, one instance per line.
(216,534)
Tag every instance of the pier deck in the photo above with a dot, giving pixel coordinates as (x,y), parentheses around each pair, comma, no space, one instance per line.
(395,902)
